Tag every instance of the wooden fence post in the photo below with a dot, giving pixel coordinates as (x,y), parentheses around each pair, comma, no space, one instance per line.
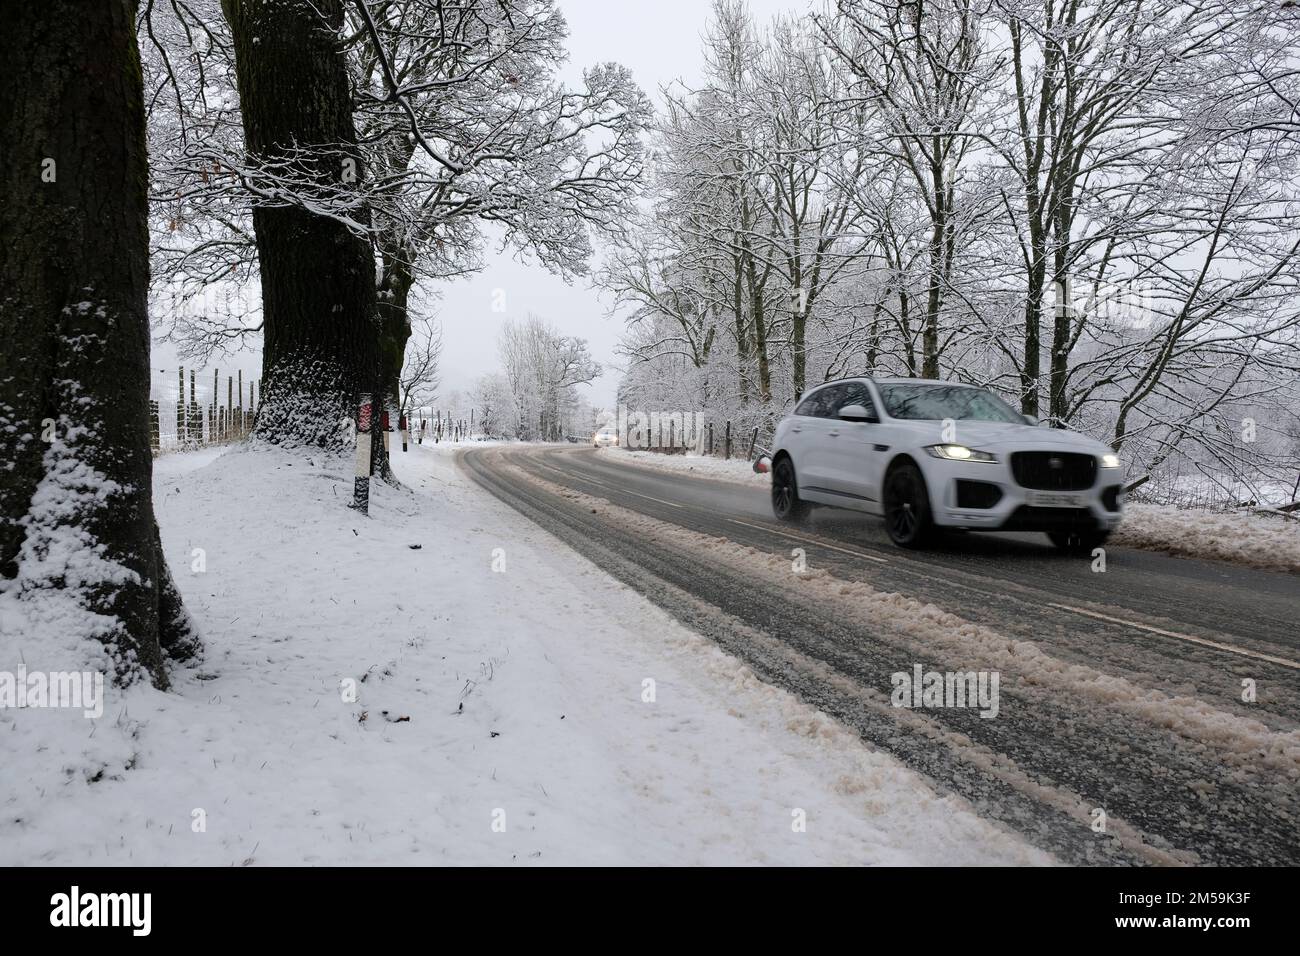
(194,423)
(180,405)
(728,440)
(153,426)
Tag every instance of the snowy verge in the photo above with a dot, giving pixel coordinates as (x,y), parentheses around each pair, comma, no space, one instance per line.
(1268,542)
(441,682)
(736,470)
(1028,671)
(172,463)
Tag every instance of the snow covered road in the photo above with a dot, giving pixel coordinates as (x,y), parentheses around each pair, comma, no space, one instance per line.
(1124,732)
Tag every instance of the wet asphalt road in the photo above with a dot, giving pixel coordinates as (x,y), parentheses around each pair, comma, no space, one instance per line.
(1121,692)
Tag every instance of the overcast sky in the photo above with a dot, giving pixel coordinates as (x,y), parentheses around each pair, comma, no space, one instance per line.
(659,40)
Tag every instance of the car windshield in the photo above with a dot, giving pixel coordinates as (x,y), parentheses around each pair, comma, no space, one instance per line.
(937,402)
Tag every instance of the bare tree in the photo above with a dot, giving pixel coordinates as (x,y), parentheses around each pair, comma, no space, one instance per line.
(1089,206)
(542,368)
(461,103)
(421,369)
(925,68)
(492,402)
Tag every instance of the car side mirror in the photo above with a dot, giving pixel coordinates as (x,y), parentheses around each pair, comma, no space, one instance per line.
(857,413)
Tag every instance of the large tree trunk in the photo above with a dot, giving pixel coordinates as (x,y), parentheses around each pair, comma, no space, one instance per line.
(321,341)
(798,351)
(394,323)
(394,320)
(941,251)
(740,320)
(1035,291)
(76,506)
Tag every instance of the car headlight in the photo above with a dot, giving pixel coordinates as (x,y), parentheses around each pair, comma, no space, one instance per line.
(959,453)
(1110,460)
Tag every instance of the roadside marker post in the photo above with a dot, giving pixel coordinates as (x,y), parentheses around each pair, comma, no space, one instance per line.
(361,474)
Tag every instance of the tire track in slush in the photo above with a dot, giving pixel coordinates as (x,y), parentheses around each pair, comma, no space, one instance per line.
(1030,774)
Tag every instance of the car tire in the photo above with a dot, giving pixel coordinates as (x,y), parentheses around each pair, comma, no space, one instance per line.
(786,503)
(909,521)
(1078,542)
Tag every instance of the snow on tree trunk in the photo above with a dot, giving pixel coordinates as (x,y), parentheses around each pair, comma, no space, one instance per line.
(80,557)
(321,340)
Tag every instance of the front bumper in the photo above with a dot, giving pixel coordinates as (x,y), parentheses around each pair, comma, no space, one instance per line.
(1015,509)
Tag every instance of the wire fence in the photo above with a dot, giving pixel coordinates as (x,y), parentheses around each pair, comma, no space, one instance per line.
(192,408)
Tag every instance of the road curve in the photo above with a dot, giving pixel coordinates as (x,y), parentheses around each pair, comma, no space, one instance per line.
(1121,737)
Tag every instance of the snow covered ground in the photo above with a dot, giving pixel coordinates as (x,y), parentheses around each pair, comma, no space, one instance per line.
(1270,542)
(736,470)
(503,708)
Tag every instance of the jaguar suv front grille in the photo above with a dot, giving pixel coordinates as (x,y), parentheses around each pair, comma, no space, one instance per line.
(1054,470)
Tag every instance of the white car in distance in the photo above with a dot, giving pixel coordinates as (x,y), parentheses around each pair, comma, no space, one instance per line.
(927,454)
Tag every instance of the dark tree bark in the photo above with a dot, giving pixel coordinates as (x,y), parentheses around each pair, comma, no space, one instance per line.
(321,341)
(394,320)
(76,505)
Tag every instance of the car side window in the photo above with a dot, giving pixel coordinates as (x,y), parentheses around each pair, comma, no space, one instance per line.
(808,406)
(856,393)
(832,399)
(826,402)
(821,403)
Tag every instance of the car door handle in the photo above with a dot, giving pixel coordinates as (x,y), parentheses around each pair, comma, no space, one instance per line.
(795,428)
(833,434)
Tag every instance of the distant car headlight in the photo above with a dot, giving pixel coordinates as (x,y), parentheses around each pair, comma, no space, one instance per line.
(1110,460)
(959,453)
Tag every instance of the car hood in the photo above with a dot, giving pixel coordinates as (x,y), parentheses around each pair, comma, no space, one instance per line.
(995,436)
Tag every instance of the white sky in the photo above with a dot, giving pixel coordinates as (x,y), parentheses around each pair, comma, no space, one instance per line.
(659,40)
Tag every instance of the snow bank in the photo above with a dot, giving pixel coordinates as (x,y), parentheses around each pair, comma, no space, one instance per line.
(1257,540)
(500,713)
(172,463)
(735,470)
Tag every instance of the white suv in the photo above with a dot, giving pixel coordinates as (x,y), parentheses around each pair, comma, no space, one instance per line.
(927,454)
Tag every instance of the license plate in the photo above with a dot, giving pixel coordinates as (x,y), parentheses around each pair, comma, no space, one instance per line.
(1057,499)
